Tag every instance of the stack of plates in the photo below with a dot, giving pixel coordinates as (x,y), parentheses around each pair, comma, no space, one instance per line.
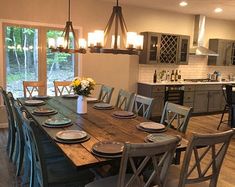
(71,136)
(158,137)
(57,122)
(91,99)
(108,149)
(33,102)
(123,114)
(70,96)
(103,106)
(151,127)
(44,111)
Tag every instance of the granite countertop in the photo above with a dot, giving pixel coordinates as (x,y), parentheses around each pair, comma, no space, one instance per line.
(185,83)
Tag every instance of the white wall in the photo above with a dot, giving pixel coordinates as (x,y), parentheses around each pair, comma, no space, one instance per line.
(120,71)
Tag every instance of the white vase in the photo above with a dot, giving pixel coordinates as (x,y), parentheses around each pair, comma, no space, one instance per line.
(81,105)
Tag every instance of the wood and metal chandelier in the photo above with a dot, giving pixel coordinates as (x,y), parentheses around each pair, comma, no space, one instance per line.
(132,42)
(64,44)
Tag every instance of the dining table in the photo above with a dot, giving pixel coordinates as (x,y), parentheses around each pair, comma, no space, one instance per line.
(100,125)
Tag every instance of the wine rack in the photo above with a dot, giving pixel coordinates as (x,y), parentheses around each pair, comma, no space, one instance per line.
(168,49)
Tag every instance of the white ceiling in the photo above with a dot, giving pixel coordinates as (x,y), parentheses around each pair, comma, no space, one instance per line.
(205,7)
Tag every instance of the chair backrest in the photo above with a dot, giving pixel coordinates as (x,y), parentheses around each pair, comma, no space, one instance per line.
(143,106)
(228,93)
(159,154)
(30,87)
(7,104)
(176,116)
(105,93)
(62,87)
(208,149)
(33,145)
(124,100)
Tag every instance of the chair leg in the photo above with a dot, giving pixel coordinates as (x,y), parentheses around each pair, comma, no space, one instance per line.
(221,119)
(20,159)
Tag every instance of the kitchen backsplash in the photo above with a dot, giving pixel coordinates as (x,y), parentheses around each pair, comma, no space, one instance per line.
(196,69)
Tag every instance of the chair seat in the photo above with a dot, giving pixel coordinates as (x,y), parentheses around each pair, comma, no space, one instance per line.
(108,182)
(62,172)
(174,175)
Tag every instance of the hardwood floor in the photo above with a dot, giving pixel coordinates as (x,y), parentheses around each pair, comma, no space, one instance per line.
(7,170)
(202,124)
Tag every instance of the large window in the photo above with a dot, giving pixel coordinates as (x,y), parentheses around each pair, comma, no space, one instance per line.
(60,66)
(25,54)
(21,57)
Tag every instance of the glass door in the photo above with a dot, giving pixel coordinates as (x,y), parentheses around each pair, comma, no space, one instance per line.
(21,57)
(60,66)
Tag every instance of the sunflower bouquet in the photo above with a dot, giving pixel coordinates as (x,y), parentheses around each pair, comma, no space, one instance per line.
(83,86)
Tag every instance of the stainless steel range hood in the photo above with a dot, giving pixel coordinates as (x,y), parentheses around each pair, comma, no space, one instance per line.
(198,38)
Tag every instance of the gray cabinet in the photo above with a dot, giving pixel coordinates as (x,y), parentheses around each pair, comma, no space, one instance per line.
(200,101)
(189,96)
(151,52)
(226,51)
(208,98)
(183,51)
(215,100)
(164,48)
(203,98)
(155,92)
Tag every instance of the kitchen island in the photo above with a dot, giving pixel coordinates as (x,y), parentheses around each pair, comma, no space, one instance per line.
(203,97)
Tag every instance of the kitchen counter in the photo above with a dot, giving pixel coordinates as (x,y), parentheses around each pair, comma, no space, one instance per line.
(185,83)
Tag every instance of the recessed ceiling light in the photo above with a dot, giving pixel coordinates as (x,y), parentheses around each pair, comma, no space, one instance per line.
(218,10)
(183,3)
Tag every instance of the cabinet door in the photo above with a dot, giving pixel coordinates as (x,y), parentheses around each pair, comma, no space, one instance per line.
(158,104)
(200,101)
(150,53)
(183,50)
(215,101)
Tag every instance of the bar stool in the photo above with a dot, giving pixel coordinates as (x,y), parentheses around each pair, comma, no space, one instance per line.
(228,96)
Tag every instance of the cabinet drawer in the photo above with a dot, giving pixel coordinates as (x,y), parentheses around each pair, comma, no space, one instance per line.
(208,87)
(201,87)
(214,87)
(189,88)
(158,88)
(188,97)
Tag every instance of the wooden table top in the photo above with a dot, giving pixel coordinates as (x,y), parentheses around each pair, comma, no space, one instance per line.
(99,124)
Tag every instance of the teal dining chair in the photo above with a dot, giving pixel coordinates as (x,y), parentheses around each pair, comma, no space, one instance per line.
(143,106)
(105,94)
(149,155)
(47,171)
(124,100)
(11,125)
(202,162)
(19,137)
(176,116)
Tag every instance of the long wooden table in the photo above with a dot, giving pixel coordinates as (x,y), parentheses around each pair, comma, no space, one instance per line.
(99,124)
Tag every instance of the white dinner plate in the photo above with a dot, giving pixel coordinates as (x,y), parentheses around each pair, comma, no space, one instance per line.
(34,102)
(71,135)
(152,125)
(58,121)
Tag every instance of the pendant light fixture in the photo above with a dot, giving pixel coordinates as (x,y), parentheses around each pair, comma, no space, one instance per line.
(64,44)
(97,40)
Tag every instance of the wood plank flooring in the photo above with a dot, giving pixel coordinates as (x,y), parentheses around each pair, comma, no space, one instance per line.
(202,124)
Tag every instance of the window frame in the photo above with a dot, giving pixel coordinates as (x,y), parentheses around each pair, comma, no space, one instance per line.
(42,46)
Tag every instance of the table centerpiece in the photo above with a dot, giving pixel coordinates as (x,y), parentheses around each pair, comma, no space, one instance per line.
(82,87)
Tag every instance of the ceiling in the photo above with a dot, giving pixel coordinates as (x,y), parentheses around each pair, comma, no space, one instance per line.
(205,7)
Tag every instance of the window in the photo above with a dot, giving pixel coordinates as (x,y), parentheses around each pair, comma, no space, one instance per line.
(26,52)
(21,57)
